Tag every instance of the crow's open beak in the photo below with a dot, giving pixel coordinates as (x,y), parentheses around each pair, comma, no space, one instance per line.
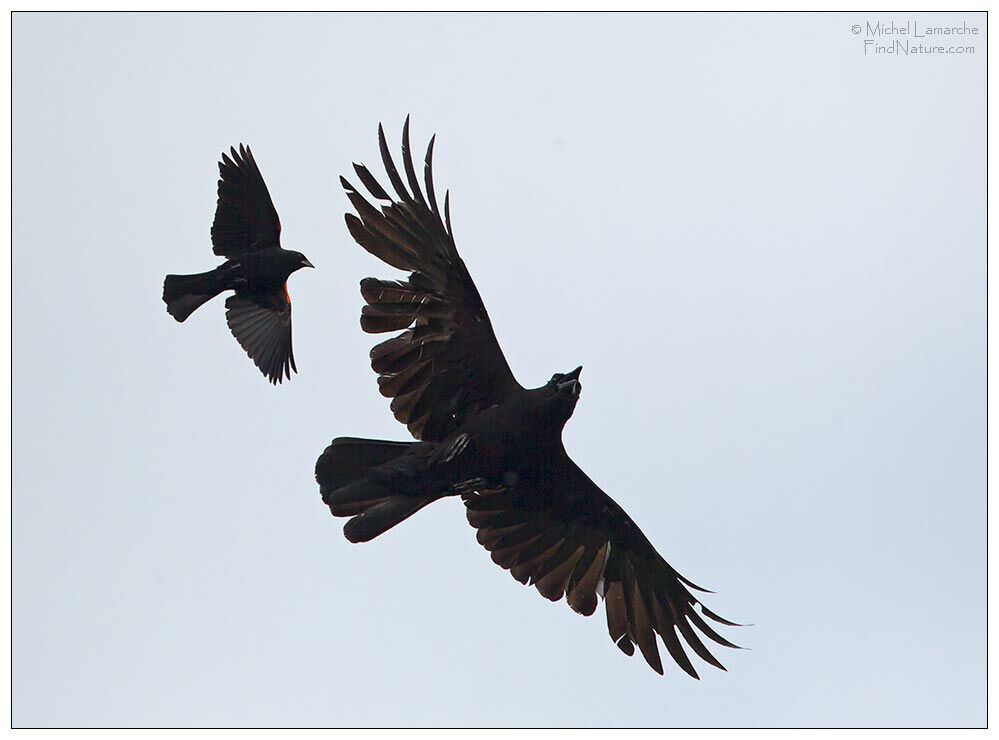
(571,382)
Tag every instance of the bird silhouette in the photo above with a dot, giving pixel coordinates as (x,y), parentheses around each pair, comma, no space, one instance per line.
(482,436)
(247,232)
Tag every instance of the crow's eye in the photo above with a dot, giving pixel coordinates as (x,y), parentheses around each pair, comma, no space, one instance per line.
(555,378)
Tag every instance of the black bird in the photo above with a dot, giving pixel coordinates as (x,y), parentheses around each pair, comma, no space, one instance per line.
(248,232)
(487,439)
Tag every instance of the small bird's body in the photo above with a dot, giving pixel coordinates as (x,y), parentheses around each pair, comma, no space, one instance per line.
(246,231)
(482,436)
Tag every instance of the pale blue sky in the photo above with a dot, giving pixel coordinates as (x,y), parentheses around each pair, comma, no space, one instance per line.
(766,248)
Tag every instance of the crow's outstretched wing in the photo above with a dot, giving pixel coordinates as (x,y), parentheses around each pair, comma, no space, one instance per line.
(245,218)
(560,533)
(446,365)
(262,326)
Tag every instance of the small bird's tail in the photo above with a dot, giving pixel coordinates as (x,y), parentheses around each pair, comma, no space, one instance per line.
(184,293)
(367,480)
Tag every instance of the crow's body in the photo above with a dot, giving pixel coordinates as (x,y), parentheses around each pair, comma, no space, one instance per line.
(247,231)
(484,437)
(507,443)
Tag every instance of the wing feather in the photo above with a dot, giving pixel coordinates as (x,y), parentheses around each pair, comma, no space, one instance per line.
(262,326)
(568,538)
(446,364)
(245,217)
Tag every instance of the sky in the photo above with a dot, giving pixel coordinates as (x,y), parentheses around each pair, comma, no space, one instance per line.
(764,242)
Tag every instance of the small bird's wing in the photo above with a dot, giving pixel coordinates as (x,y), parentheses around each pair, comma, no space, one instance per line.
(447,363)
(245,218)
(566,537)
(262,326)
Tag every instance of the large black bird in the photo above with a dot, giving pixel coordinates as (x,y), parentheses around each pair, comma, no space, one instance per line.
(484,437)
(248,232)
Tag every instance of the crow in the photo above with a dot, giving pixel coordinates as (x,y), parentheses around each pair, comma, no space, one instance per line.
(482,436)
(248,232)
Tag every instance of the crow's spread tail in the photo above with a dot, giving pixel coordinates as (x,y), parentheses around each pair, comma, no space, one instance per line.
(366,480)
(185,293)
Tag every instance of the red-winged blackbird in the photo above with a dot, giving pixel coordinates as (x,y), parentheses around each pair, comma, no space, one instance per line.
(486,438)
(248,232)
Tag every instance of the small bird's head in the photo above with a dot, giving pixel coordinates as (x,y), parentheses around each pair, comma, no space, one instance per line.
(292,261)
(301,261)
(563,392)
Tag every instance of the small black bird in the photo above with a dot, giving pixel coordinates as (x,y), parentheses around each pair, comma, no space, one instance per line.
(248,232)
(484,437)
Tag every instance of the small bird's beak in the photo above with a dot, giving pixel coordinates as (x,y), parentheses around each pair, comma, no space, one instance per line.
(306,263)
(574,375)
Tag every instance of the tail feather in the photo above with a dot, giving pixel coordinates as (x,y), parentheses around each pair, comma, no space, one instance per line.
(355,482)
(382,516)
(183,294)
(357,497)
(348,459)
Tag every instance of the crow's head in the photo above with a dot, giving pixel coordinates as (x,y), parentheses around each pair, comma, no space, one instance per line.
(568,382)
(563,391)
